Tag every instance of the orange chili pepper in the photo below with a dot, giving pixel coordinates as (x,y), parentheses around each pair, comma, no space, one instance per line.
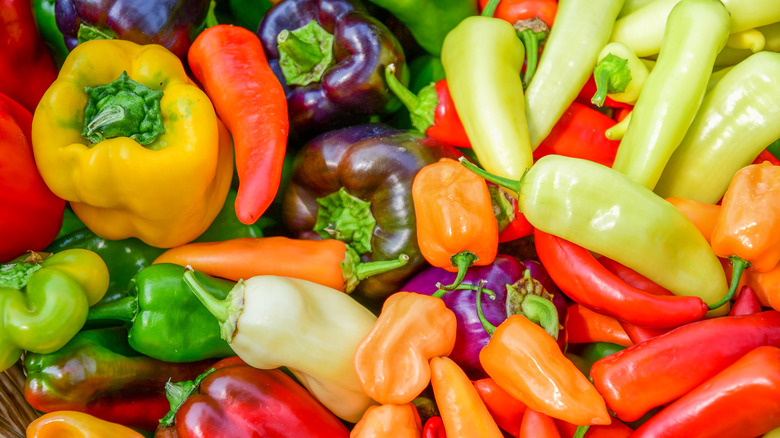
(389,421)
(538,425)
(74,424)
(505,409)
(526,361)
(456,226)
(461,409)
(392,360)
(703,215)
(585,326)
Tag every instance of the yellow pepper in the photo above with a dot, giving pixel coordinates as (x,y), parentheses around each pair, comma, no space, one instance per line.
(133,144)
(77,425)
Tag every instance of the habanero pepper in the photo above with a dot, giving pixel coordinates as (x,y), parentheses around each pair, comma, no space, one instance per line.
(389,421)
(76,424)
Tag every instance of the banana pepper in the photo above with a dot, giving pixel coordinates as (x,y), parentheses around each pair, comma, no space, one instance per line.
(133,144)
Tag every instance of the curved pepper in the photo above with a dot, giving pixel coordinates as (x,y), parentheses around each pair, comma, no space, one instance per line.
(389,421)
(158,162)
(505,409)
(44,303)
(75,424)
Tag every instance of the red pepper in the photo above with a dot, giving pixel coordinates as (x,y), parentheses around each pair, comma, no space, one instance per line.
(505,409)
(514,10)
(518,227)
(746,303)
(664,368)
(765,155)
(434,428)
(230,63)
(640,334)
(741,400)
(616,429)
(633,278)
(538,425)
(590,88)
(584,326)
(583,279)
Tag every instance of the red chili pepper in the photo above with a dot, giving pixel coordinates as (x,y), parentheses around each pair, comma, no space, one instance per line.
(584,326)
(640,334)
(741,400)
(746,303)
(538,425)
(514,10)
(662,369)
(434,428)
(505,409)
(633,278)
(230,63)
(579,133)
(583,279)
(590,88)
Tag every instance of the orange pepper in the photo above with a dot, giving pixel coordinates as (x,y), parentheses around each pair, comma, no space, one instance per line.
(456,226)
(585,326)
(392,360)
(74,424)
(538,425)
(389,421)
(766,286)
(528,363)
(703,215)
(461,409)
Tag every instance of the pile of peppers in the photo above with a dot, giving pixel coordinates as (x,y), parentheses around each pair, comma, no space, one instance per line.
(391,218)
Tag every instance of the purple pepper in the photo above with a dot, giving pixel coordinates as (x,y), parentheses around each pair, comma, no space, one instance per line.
(471,335)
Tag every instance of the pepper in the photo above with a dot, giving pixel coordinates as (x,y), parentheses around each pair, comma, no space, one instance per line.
(392,360)
(741,400)
(664,368)
(619,74)
(256,317)
(227,225)
(44,302)
(167,188)
(230,63)
(389,421)
(237,400)
(746,303)
(632,277)
(434,428)
(32,213)
(537,424)
(515,10)
(330,56)
(76,425)
(126,388)
(354,184)
(696,31)
(585,326)
(46,21)
(724,137)
(505,409)
(249,13)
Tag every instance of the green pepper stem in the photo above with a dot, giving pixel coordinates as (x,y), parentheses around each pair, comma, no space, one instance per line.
(464,286)
(510,184)
(305,53)
(489,328)
(738,266)
(177,393)
(612,75)
(365,270)
(226,311)
(581,431)
(531,32)
(463,261)
(123,309)
(211,16)
(302,54)
(405,95)
(543,312)
(490,8)
(108,115)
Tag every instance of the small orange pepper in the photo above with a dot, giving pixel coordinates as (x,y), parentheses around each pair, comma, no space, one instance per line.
(456,225)
(392,360)
(74,424)
(389,421)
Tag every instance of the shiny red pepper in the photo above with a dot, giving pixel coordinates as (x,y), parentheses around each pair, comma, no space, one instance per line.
(434,428)
(505,409)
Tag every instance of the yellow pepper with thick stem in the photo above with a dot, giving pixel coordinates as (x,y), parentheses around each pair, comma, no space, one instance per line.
(133,144)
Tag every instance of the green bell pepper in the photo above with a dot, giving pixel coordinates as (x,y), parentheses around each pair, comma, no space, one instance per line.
(227,226)
(44,302)
(165,320)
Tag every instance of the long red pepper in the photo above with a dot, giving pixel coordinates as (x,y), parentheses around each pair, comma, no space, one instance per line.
(230,63)
(583,279)
(584,326)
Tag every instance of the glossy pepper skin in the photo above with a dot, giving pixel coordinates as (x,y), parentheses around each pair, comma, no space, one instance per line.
(373,163)
(44,301)
(173,24)
(77,425)
(125,181)
(505,409)
(389,421)
(164,320)
(352,88)
(46,20)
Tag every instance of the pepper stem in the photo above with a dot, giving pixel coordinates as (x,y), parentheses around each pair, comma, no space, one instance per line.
(177,393)
(531,32)
(490,8)
(226,311)
(510,184)
(123,309)
(463,286)
(422,107)
(463,261)
(738,266)
(612,75)
(353,270)
(581,431)
(108,115)
(15,275)
(543,312)
(489,328)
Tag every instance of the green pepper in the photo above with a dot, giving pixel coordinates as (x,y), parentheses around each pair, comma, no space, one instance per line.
(70,223)
(44,302)
(423,70)
(227,226)
(249,13)
(45,18)
(165,320)
(597,350)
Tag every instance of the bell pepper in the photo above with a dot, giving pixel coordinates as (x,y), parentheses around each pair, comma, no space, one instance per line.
(256,320)
(176,161)
(741,400)
(28,67)
(330,56)
(664,368)
(354,184)
(505,409)
(389,421)
(725,136)
(597,350)
(585,326)
(125,388)
(514,10)
(696,31)
(227,225)
(76,425)
(391,362)
(46,20)
(44,302)
(237,400)
(163,319)
(32,213)
(172,24)
(566,62)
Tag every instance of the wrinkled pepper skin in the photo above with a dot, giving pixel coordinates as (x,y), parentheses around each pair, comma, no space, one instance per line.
(75,424)
(374,163)
(173,24)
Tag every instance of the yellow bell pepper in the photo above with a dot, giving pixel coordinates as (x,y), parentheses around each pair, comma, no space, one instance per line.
(134,145)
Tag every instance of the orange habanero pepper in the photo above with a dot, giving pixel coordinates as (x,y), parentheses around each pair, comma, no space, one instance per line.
(389,421)
(77,425)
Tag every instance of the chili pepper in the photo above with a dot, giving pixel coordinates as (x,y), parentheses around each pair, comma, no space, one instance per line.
(566,63)
(167,188)
(746,303)
(518,227)
(765,155)
(354,185)
(126,387)
(44,302)
(640,334)
(723,137)
(329,262)
(230,63)
(697,30)
(526,362)
(32,213)
(586,326)
(77,425)
(235,399)
(565,197)
(390,421)
(256,317)
(741,400)
(662,369)
(482,59)
(632,277)
(46,21)
(28,67)
(505,409)
(462,410)
(579,133)
(619,74)
(597,350)
(537,424)
(515,10)
(434,428)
